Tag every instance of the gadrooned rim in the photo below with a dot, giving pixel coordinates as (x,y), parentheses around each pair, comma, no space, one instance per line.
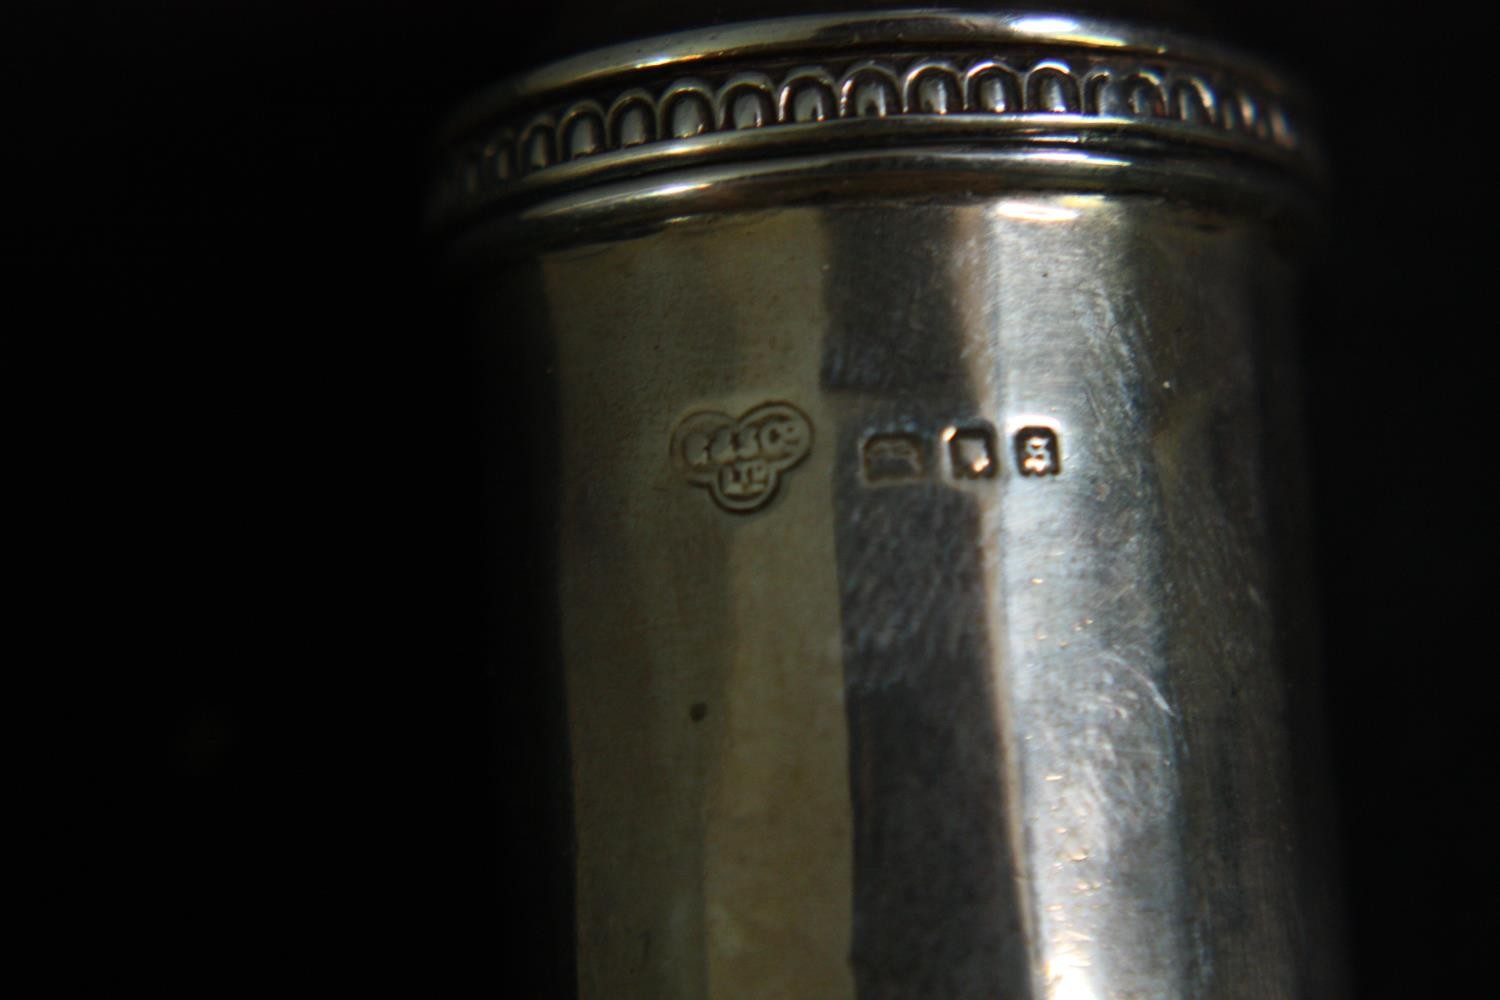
(791,86)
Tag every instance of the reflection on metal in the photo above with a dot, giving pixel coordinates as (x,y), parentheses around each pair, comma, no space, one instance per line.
(976,671)
(756,91)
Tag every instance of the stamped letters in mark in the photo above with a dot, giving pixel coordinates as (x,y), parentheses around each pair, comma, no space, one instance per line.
(969,453)
(1037,453)
(740,461)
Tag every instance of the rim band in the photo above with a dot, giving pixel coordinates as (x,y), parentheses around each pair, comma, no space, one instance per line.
(811,86)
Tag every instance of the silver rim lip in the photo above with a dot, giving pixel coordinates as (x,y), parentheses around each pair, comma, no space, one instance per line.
(848,33)
(511,144)
(650,199)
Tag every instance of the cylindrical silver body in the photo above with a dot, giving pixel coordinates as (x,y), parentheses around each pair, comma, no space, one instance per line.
(912,391)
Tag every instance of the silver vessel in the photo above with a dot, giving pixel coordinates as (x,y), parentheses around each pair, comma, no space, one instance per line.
(916,427)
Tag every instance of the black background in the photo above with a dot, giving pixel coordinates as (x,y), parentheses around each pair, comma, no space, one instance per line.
(312,764)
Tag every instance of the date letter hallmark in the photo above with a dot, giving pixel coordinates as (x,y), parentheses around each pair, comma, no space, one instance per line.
(740,462)
(1037,451)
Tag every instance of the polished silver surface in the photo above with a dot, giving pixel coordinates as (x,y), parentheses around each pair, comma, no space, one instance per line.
(808,84)
(916,507)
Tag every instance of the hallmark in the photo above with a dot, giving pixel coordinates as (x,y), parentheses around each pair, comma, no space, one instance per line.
(740,461)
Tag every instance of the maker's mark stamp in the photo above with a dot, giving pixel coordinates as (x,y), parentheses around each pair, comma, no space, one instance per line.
(740,461)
